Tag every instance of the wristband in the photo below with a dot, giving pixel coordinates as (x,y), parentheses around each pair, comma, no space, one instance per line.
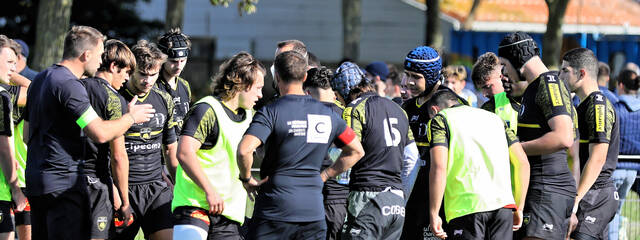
(244,180)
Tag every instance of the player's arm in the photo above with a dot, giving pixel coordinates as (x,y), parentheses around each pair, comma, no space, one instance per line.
(120,171)
(438,137)
(22,97)
(560,137)
(20,80)
(103,131)
(409,169)
(187,148)
(573,159)
(247,146)
(172,159)
(7,155)
(352,151)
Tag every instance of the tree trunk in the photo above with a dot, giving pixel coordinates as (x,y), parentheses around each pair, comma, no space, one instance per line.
(468,22)
(552,39)
(175,14)
(351,28)
(51,28)
(433,36)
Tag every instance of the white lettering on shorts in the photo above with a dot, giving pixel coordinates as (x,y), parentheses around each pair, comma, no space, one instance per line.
(590,219)
(318,128)
(393,210)
(548,227)
(457,232)
(355,232)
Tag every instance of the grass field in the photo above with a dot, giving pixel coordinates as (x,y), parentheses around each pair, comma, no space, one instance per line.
(631,211)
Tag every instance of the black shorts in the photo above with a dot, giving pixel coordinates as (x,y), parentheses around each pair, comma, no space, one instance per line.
(6,221)
(335,213)
(380,217)
(264,229)
(416,222)
(151,209)
(23,217)
(496,224)
(60,215)
(596,209)
(100,208)
(546,215)
(216,226)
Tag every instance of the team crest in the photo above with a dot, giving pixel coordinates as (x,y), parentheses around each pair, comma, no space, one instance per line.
(145,133)
(525,219)
(102,223)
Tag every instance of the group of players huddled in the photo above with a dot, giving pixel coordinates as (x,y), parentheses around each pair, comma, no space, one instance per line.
(108,141)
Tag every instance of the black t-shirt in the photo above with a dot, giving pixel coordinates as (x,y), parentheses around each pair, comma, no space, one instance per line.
(294,155)
(144,140)
(109,105)
(384,131)
(545,98)
(201,123)
(332,190)
(181,96)
(57,104)
(5,114)
(14,92)
(599,124)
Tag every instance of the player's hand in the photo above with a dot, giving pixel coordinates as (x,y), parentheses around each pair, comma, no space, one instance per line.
(125,212)
(506,84)
(517,220)
(142,112)
(436,227)
(216,204)
(19,199)
(573,223)
(117,201)
(252,187)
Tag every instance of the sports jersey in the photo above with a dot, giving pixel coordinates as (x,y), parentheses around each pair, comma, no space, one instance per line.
(332,190)
(18,123)
(6,125)
(510,116)
(545,98)
(144,141)
(383,129)
(201,124)
(219,162)
(14,92)
(296,143)
(180,95)
(109,105)
(58,107)
(477,174)
(599,124)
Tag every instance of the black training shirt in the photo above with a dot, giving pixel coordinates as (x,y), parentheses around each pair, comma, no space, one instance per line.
(201,123)
(599,124)
(144,140)
(545,98)
(181,96)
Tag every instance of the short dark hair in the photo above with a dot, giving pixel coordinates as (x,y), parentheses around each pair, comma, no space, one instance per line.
(319,77)
(148,55)
(443,99)
(362,87)
(313,60)
(80,39)
(236,74)
(629,79)
(117,52)
(290,66)
(603,69)
(483,67)
(298,46)
(579,58)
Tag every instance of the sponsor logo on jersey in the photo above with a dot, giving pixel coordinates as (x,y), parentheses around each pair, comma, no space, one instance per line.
(556,97)
(599,112)
(318,128)
(393,210)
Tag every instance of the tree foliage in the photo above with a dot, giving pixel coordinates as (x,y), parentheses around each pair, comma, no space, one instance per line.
(552,38)
(245,6)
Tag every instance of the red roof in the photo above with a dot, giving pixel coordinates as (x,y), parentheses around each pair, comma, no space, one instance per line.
(584,12)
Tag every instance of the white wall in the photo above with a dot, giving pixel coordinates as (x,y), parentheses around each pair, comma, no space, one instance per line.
(390,28)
